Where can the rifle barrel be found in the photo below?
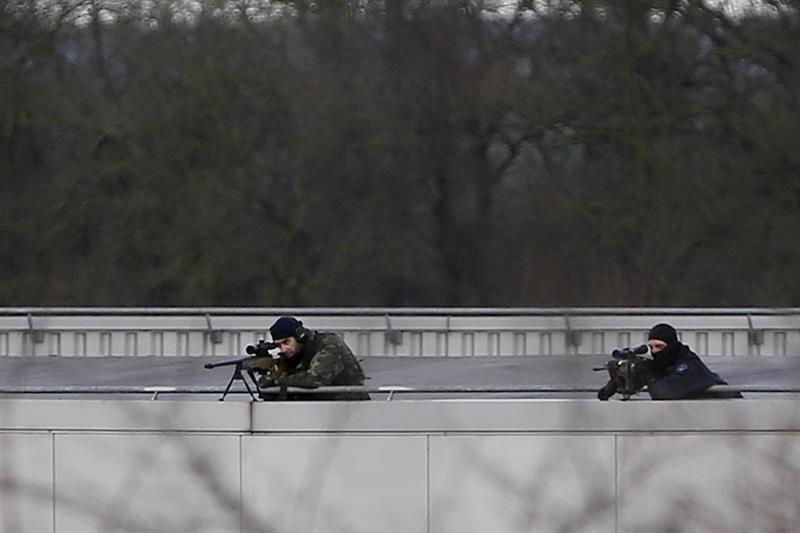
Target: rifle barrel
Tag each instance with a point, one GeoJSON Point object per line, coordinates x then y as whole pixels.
{"type": "Point", "coordinates": [228, 362]}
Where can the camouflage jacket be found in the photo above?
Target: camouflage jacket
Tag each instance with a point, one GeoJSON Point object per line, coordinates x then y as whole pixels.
{"type": "Point", "coordinates": [325, 360]}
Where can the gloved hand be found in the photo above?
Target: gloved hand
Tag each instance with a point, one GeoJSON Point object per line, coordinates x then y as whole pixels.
{"type": "Point", "coordinates": [608, 391]}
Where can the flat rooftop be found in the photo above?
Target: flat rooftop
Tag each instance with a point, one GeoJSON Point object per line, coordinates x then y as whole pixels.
{"type": "Point", "coordinates": [567, 376]}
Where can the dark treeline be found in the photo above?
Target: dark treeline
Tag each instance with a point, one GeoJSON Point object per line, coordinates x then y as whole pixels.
{"type": "Point", "coordinates": [382, 153]}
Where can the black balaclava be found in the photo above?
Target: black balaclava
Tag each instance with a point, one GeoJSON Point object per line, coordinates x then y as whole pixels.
{"type": "Point", "coordinates": [663, 332]}
{"type": "Point", "coordinates": [666, 333]}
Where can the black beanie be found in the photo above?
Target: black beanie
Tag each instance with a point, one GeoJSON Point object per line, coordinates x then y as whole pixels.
{"type": "Point", "coordinates": [663, 332]}
{"type": "Point", "coordinates": [285, 327]}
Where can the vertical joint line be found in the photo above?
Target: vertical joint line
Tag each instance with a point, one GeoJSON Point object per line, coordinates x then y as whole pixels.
{"type": "Point", "coordinates": [241, 495]}
{"type": "Point", "coordinates": [428, 483]}
{"type": "Point", "coordinates": [616, 484]}
{"type": "Point", "coordinates": [53, 473]}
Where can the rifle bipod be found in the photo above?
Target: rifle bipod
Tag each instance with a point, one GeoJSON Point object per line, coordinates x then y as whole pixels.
{"type": "Point", "coordinates": [238, 376]}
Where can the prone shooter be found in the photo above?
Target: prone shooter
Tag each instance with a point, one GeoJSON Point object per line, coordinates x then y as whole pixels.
{"type": "Point", "coordinates": [306, 359]}
{"type": "Point", "coordinates": [672, 372]}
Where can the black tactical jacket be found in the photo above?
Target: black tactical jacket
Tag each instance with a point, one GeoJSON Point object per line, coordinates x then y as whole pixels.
{"type": "Point", "coordinates": [677, 372]}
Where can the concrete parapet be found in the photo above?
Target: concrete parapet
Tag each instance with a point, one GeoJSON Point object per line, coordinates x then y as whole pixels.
{"type": "Point", "coordinates": [422, 466]}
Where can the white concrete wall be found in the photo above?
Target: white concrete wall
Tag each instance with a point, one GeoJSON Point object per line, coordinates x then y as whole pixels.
{"type": "Point", "coordinates": [331, 483]}
{"type": "Point", "coordinates": [434, 466]}
{"type": "Point", "coordinates": [26, 482]}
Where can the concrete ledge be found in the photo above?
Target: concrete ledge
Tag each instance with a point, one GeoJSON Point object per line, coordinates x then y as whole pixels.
{"type": "Point", "coordinates": [401, 416]}
{"type": "Point", "coordinates": [124, 415]}
{"type": "Point", "coordinates": [528, 415]}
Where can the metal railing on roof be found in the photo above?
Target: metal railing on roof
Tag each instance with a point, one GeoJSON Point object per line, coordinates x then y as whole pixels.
{"type": "Point", "coordinates": [398, 311]}
{"type": "Point", "coordinates": [435, 331]}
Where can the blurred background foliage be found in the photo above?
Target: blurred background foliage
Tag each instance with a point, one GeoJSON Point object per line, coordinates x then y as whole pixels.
{"type": "Point", "coordinates": [399, 153]}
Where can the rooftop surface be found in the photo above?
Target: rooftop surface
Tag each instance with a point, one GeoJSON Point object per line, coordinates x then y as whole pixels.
{"type": "Point", "coordinates": [528, 376]}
